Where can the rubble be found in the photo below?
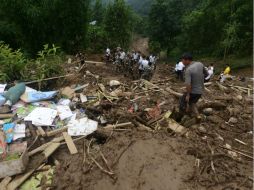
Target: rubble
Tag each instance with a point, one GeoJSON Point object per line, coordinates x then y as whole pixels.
{"type": "Point", "coordinates": [87, 113]}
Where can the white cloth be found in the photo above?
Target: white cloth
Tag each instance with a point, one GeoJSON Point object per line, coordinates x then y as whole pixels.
{"type": "Point", "coordinates": [210, 74]}
{"type": "Point", "coordinates": [179, 66]}
{"type": "Point", "coordinates": [144, 64]}
{"type": "Point", "coordinates": [176, 67]}
{"type": "Point", "coordinates": [152, 59]}
{"type": "Point", "coordinates": [122, 55]}
{"type": "Point", "coordinates": [135, 56]}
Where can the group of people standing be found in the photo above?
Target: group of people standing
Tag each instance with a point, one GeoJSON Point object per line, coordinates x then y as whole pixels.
{"type": "Point", "coordinates": [132, 62]}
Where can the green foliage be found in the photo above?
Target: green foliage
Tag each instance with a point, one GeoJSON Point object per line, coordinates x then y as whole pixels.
{"type": "Point", "coordinates": [96, 39]}
{"type": "Point", "coordinates": [98, 12]}
{"type": "Point", "coordinates": [11, 63]}
{"type": "Point", "coordinates": [209, 27]}
{"type": "Point", "coordinates": [14, 65]}
{"type": "Point", "coordinates": [141, 7]}
{"type": "Point", "coordinates": [29, 24]}
{"type": "Point", "coordinates": [117, 24]}
{"type": "Point", "coordinates": [47, 64]}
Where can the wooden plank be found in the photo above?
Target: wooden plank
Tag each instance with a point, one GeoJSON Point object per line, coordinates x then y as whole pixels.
{"type": "Point", "coordinates": [57, 131]}
{"type": "Point", "coordinates": [19, 180]}
{"type": "Point", "coordinates": [51, 149]}
{"type": "Point", "coordinates": [70, 144]}
{"type": "Point", "coordinates": [44, 146]}
{"type": "Point", "coordinates": [4, 183]}
{"type": "Point", "coordinates": [6, 116]}
{"type": "Point", "coordinates": [41, 131]}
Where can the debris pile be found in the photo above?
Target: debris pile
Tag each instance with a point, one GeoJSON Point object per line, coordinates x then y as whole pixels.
{"type": "Point", "coordinates": [38, 124]}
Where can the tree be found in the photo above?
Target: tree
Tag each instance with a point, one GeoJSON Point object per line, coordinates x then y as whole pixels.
{"type": "Point", "coordinates": [62, 22]}
{"type": "Point", "coordinates": [98, 12]}
{"type": "Point", "coordinates": [117, 24]}
{"type": "Point", "coordinates": [208, 27]}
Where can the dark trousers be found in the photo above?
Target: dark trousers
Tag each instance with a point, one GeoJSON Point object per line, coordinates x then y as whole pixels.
{"type": "Point", "coordinates": [179, 74]}
{"type": "Point", "coordinates": [193, 100]}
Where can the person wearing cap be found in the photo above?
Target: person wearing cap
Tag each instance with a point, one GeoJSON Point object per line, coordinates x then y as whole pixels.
{"type": "Point", "coordinates": [195, 73]}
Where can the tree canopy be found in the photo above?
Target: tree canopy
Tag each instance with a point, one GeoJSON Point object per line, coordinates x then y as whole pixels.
{"type": "Point", "coordinates": [209, 27]}
{"type": "Point", "coordinates": [29, 24]}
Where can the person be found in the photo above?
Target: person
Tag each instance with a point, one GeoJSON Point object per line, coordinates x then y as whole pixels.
{"type": "Point", "coordinates": [108, 51]}
{"type": "Point", "coordinates": [122, 55]}
{"type": "Point", "coordinates": [194, 80]}
{"type": "Point", "coordinates": [227, 70]}
{"type": "Point", "coordinates": [81, 58]}
{"type": "Point", "coordinates": [107, 55]}
{"type": "Point", "coordinates": [152, 59]}
{"type": "Point", "coordinates": [134, 55]}
{"type": "Point", "coordinates": [225, 74]}
{"type": "Point", "coordinates": [143, 63]}
{"type": "Point", "coordinates": [180, 70]}
{"type": "Point", "coordinates": [210, 73]}
{"type": "Point", "coordinates": [212, 67]}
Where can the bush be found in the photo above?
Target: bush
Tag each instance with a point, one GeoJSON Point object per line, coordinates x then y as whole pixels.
{"type": "Point", "coordinates": [11, 63]}
{"type": "Point", "coordinates": [14, 65]}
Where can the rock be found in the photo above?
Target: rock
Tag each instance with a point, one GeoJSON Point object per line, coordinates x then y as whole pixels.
{"type": "Point", "coordinates": [239, 97]}
{"type": "Point", "coordinates": [202, 129]}
{"type": "Point", "coordinates": [208, 111]}
{"type": "Point", "coordinates": [214, 119]}
{"type": "Point", "coordinates": [232, 120]}
{"type": "Point", "coordinates": [114, 83]}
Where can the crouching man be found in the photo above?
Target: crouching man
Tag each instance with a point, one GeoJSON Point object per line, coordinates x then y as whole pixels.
{"type": "Point", "coordinates": [194, 80]}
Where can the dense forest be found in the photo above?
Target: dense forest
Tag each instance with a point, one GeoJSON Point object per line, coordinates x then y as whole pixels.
{"type": "Point", "coordinates": [35, 35]}
{"type": "Point", "coordinates": [207, 27]}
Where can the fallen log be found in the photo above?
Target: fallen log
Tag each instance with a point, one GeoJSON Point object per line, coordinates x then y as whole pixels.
{"type": "Point", "coordinates": [215, 105]}
{"type": "Point", "coordinates": [224, 98]}
{"type": "Point", "coordinates": [221, 87]}
{"type": "Point", "coordinates": [177, 94]}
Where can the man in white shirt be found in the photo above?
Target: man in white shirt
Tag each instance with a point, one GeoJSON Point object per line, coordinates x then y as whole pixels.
{"type": "Point", "coordinates": [152, 59]}
{"type": "Point", "coordinates": [135, 56]}
{"type": "Point", "coordinates": [108, 51]}
{"type": "Point", "coordinates": [210, 74]}
{"type": "Point", "coordinates": [180, 70]}
{"type": "Point", "coordinates": [122, 55]}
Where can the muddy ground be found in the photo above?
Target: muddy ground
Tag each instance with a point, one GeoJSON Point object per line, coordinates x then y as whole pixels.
{"type": "Point", "coordinates": [161, 159]}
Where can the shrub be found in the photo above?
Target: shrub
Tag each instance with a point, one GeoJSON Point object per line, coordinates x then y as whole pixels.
{"type": "Point", "coordinates": [11, 63]}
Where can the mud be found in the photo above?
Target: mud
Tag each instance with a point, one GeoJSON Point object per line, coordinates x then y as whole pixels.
{"type": "Point", "coordinates": [161, 159]}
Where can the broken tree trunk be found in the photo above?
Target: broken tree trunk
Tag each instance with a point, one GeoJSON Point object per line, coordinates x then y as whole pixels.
{"type": "Point", "coordinates": [177, 94]}
{"type": "Point", "coordinates": [215, 105]}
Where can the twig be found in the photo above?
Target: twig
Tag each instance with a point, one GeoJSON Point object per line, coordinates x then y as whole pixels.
{"type": "Point", "coordinates": [84, 151]}
{"type": "Point", "coordinates": [100, 167]}
{"type": "Point", "coordinates": [116, 161]}
{"type": "Point", "coordinates": [106, 162]}
{"type": "Point", "coordinates": [238, 152]}
{"type": "Point", "coordinates": [51, 78]}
